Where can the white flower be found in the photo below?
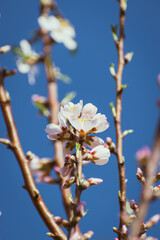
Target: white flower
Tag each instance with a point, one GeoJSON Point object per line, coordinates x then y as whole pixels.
{"type": "Point", "coordinates": [26, 60]}
{"type": "Point", "coordinates": [60, 30]}
{"type": "Point", "coordinates": [72, 110]}
{"type": "Point", "coordinates": [85, 120]}
{"type": "Point", "coordinates": [100, 155]}
{"type": "Point", "coordinates": [55, 131]}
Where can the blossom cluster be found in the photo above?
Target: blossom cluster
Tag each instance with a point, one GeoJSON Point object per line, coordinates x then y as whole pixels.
{"type": "Point", "coordinates": [78, 123]}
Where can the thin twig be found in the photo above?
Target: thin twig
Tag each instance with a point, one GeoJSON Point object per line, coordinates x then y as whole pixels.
{"type": "Point", "coordinates": [120, 158]}
{"type": "Point", "coordinates": [147, 193]}
{"type": "Point", "coordinates": [30, 186]}
{"type": "Point", "coordinates": [54, 108]}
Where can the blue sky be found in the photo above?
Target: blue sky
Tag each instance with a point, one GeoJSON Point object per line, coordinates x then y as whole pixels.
{"type": "Point", "coordinates": [89, 70]}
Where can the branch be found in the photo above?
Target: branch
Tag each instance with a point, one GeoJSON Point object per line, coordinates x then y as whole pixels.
{"type": "Point", "coordinates": [54, 108]}
{"type": "Point", "coordinates": [120, 158]}
{"type": "Point", "coordinates": [30, 186]}
{"type": "Point", "coordinates": [147, 193]}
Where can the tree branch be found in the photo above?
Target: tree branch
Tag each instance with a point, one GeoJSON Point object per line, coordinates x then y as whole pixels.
{"type": "Point", "coordinates": [147, 193]}
{"type": "Point", "coordinates": [120, 158]}
{"type": "Point", "coordinates": [30, 186]}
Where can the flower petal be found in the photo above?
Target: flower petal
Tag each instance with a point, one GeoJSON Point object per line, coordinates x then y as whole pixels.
{"type": "Point", "coordinates": [89, 109]}
{"type": "Point", "coordinates": [53, 129]}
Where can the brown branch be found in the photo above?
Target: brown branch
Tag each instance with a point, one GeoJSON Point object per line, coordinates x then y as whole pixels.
{"type": "Point", "coordinates": [30, 186]}
{"type": "Point", "coordinates": [54, 108]}
{"type": "Point", "coordinates": [120, 159]}
{"type": "Point", "coordinates": [147, 193]}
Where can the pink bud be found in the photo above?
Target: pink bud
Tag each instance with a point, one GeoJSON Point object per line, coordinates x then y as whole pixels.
{"type": "Point", "coordinates": [88, 235]}
{"type": "Point", "coordinates": [133, 204]}
{"type": "Point", "coordinates": [143, 154]}
{"type": "Point", "coordinates": [80, 209]}
{"type": "Point", "coordinates": [109, 141]}
{"type": "Point", "coordinates": [94, 181]}
{"type": "Point", "coordinates": [139, 172]}
{"type": "Point", "coordinates": [58, 219]}
{"type": "Point", "coordinates": [124, 229]}
{"type": "Point", "coordinates": [155, 219]}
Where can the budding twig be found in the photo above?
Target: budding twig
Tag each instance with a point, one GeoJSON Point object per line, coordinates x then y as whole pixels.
{"type": "Point", "coordinates": [147, 193]}
{"type": "Point", "coordinates": [54, 105]}
{"type": "Point", "coordinates": [24, 165]}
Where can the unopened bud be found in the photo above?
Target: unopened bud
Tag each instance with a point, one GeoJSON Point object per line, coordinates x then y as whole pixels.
{"type": "Point", "coordinates": [157, 177]}
{"type": "Point", "coordinates": [133, 205]}
{"type": "Point", "coordinates": [58, 219]}
{"type": "Point", "coordinates": [140, 176]}
{"type": "Point", "coordinates": [80, 209]}
{"type": "Point", "coordinates": [153, 221]}
{"type": "Point", "coordinates": [124, 230]}
{"type": "Point", "coordinates": [108, 141]}
{"type": "Point", "coordinates": [85, 185]}
{"type": "Point", "coordinates": [143, 155]}
{"type": "Point", "coordinates": [88, 235]}
{"type": "Point", "coordinates": [128, 57]}
{"type": "Point", "coordinates": [94, 181]}
{"type": "Point", "coordinates": [30, 155]}
{"type": "Point", "coordinates": [49, 234]}
{"type": "Point", "coordinates": [68, 182]}
{"type": "Point", "coordinates": [5, 49]}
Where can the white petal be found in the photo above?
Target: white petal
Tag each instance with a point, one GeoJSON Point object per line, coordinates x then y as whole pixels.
{"type": "Point", "coordinates": [23, 67]}
{"type": "Point", "coordinates": [57, 36]}
{"type": "Point", "coordinates": [62, 120]}
{"type": "Point", "coordinates": [53, 129]}
{"type": "Point", "coordinates": [66, 111]}
{"type": "Point", "coordinates": [52, 137]}
{"type": "Point", "coordinates": [69, 43]}
{"type": "Point", "coordinates": [49, 23]}
{"type": "Point", "coordinates": [69, 31]}
{"type": "Point", "coordinates": [76, 123]}
{"type": "Point", "coordinates": [25, 47]}
{"type": "Point", "coordinates": [31, 75]}
{"type": "Point", "coordinates": [96, 142]}
{"type": "Point", "coordinates": [89, 109]}
{"type": "Point", "coordinates": [87, 126]}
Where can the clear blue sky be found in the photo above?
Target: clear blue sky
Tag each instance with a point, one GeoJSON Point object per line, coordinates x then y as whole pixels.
{"type": "Point", "coordinates": [89, 70]}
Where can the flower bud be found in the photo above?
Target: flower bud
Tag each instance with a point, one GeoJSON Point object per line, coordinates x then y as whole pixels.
{"type": "Point", "coordinates": [133, 205]}
{"type": "Point", "coordinates": [94, 181]}
{"type": "Point", "coordinates": [108, 141]}
{"type": "Point", "coordinates": [143, 155]}
{"type": "Point", "coordinates": [5, 49]}
{"type": "Point", "coordinates": [68, 183]}
{"type": "Point", "coordinates": [80, 209]}
{"type": "Point", "coordinates": [140, 176]}
{"type": "Point", "coordinates": [88, 235]}
{"type": "Point", "coordinates": [153, 221]}
{"type": "Point", "coordinates": [124, 230]}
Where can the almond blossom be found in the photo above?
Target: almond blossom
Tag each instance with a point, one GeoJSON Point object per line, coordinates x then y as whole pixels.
{"type": "Point", "coordinates": [98, 155]}
{"type": "Point", "coordinates": [77, 123]}
{"type": "Point", "coordinates": [56, 132]}
{"type": "Point", "coordinates": [85, 120]}
{"type": "Point", "coordinates": [41, 168]}
{"type": "Point", "coordinates": [60, 30]}
{"type": "Point", "coordinates": [26, 60]}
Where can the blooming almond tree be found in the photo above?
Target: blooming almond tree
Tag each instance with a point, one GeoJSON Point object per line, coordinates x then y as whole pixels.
{"type": "Point", "coordinates": [71, 129]}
